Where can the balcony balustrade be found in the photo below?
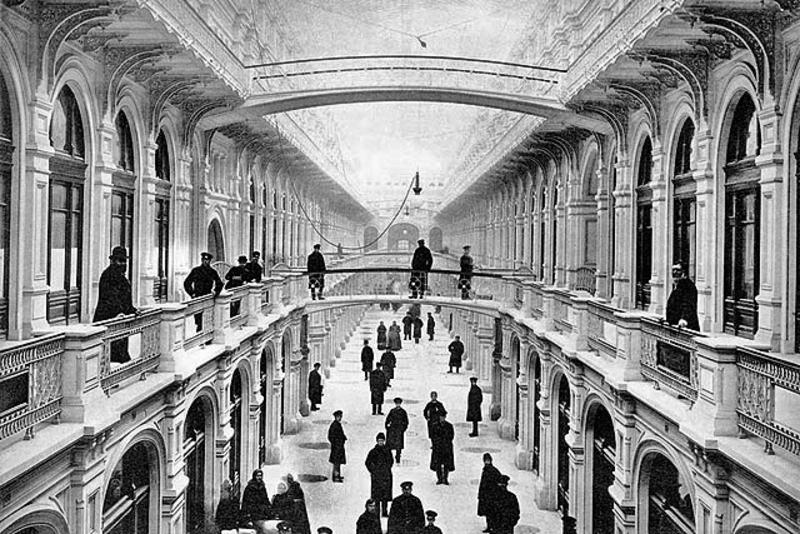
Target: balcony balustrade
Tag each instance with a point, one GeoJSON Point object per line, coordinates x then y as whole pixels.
{"type": "Point", "coordinates": [131, 337]}
{"type": "Point", "coordinates": [669, 357]}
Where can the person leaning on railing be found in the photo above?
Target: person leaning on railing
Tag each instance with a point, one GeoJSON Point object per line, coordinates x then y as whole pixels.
{"type": "Point", "coordinates": [682, 302]}
{"type": "Point", "coordinates": [203, 279]}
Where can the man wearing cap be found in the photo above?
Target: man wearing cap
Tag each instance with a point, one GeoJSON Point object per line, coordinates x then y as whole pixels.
{"type": "Point", "coordinates": [316, 273]}
{"type": "Point", "coordinates": [367, 357]}
{"type": "Point", "coordinates": [506, 508]}
{"type": "Point", "coordinates": [465, 278]}
{"type": "Point", "coordinates": [407, 515]}
{"type": "Point", "coordinates": [377, 385]}
{"type": "Point", "coordinates": [379, 464]}
{"type": "Point", "coordinates": [114, 299]}
{"type": "Point", "coordinates": [407, 321]}
{"type": "Point", "coordinates": [337, 438]}
{"type": "Point", "coordinates": [369, 522]}
{"type": "Point", "coordinates": [442, 458]}
{"type": "Point", "coordinates": [284, 526]}
{"type": "Point", "coordinates": [487, 491]}
{"type": "Point", "coordinates": [254, 267]}
{"type": "Point", "coordinates": [396, 425]}
{"type": "Point", "coordinates": [456, 350]}
{"type": "Point", "coordinates": [432, 411]}
{"type": "Point", "coordinates": [315, 387]}
{"type": "Point", "coordinates": [474, 401]}
{"type": "Point", "coordinates": [417, 324]}
{"type": "Point", "coordinates": [430, 528]}
{"type": "Point", "coordinates": [203, 279]}
{"type": "Point", "coordinates": [421, 264]}
{"type": "Point", "coordinates": [430, 327]}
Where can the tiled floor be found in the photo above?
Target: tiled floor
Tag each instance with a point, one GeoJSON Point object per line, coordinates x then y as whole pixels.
{"type": "Point", "coordinates": [421, 368]}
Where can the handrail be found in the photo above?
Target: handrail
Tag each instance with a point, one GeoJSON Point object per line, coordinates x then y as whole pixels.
{"type": "Point", "coordinates": [121, 330]}
{"type": "Point", "coordinates": [669, 356]}
{"type": "Point", "coordinates": [474, 274]}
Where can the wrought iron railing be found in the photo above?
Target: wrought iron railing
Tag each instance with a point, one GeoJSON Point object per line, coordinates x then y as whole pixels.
{"type": "Point", "coordinates": [769, 392]}
{"type": "Point", "coordinates": [669, 357]}
{"type": "Point", "coordinates": [30, 384]}
{"type": "Point", "coordinates": [132, 340]}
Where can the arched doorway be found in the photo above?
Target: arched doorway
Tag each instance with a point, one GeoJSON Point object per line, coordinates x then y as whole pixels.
{"type": "Point", "coordinates": [665, 502]}
{"type": "Point", "coordinates": [131, 503]}
{"type": "Point", "coordinates": [563, 448]}
{"type": "Point", "coordinates": [370, 238]}
{"type": "Point", "coordinates": [601, 448]}
{"type": "Point", "coordinates": [216, 242]}
{"type": "Point", "coordinates": [237, 415]}
{"type": "Point", "coordinates": [6, 166]}
{"type": "Point", "coordinates": [198, 452]}
{"type": "Point", "coordinates": [265, 373]}
{"type": "Point", "coordinates": [403, 236]}
{"type": "Point", "coordinates": [435, 239]}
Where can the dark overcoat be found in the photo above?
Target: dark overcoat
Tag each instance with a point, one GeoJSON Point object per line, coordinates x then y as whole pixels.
{"type": "Point", "coordinates": [202, 280]}
{"type": "Point", "coordinates": [431, 326]}
{"type": "Point", "coordinates": [337, 438]}
{"type": "Point", "coordinates": [377, 385]}
{"type": "Point", "coordinates": [394, 338]}
{"type": "Point", "coordinates": [423, 259]}
{"type": "Point", "coordinates": [227, 516]}
{"type": "Point", "coordinates": [442, 435]}
{"type": "Point", "coordinates": [367, 357]}
{"type": "Point", "coordinates": [417, 327]}
{"type": "Point", "coordinates": [114, 294]}
{"type": "Point", "coordinates": [474, 400]}
{"type": "Point", "coordinates": [255, 502]}
{"type": "Point", "coordinates": [237, 276]}
{"type": "Point", "coordinates": [389, 362]}
{"type": "Point", "coordinates": [506, 511]}
{"type": "Point", "coordinates": [456, 348]}
{"type": "Point", "coordinates": [466, 271]}
{"type": "Point", "coordinates": [396, 425]}
{"type": "Point", "coordinates": [406, 515]}
{"type": "Point", "coordinates": [488, 490]}
{"type": "Point", "coordinates": [433, 408]}
{"type": "Point", "coordinates": [381, 337]}
{"type": "Point", "coordinates": [682, 304]}
{"type": "Point", "coordinates": [369, 523]}
{"type": "Point", "coordinates": [315, 265]}
{"type": "Point", "coordinates": [315, 387]}
{"type": "Point", "coordinates": [407, 322]}
{"type": "Point", "coordinates": [379, 464]}
{"type": "Point", "coordinates": [255, 271]}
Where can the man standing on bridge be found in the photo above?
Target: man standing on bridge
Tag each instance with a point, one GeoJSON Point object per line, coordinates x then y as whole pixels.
{"type": "Point", "coordinates": [465, 278]}
{"type": "Point", "coordinates": [421, 264]}
{"type": "Point", "coordinates": [316, 272]}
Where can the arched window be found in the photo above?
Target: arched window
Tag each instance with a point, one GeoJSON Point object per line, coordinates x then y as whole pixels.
{"type": "Point", "coordinates": [563, 446]}
{"type": "Point", "coordinates": [252, 214]}
{"type": "Point", "coordinates": [6, 166]}
{"type": "Point", "coordinates": [162, 216]}
{"type": "Point", "coordinates": [542, 229]}
{"type": "Point", "coordinates": [554, 234]}
{"type": "Point", "coordinates": [684, 202]}
{"type": "Point", "coordinates": [126, 508]}
{"type": "Point", "coordinates": [644, 226]}
{"type": "Point", "coordinates": [742, 214]}
{"type": "Point", "coordinates": [65, 230]}
{"type": "Point", "coordinates": [195, 456]}
{"type": "Point", "coordinates": [612, 219]}
{"type": "Point", "coordinates": [124, 181]}
{"type": "Point", "coordinates": [669, 506]}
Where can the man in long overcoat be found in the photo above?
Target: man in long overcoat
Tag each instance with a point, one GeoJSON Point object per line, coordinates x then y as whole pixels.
{"type": "Point", "coordinates": [388, 363]}
{"type": "Point", "coordinates": [682, 302]}
{"type": "Point", "coordinates": [421, 264]}
{"type": "Point", "coordinates": [407, 515]}
{"type": "Point", "coordinates": [367, 357]}
{"type": "Point", "coordinates": [381, 336]}
{"type": "Point", "coordinates": [442, 459]}
{"type": "Point", "coordinates": [203, 279]}
{"type": "Point", "coordinates": [396, 425]}
{"type": "Point", "coordinates": [337, 438]}
{"type": "Point", "coordinates": [456, 349]}
{"type": "Point", "coordinates": [474, 401]}
{"type": "Point", "coordinates": [377, 385]}
{"type": "Point", "coordinates": [430, 327]}
{"type": "Point", "coordinates": [506, 508]}
{"type": "Point", "coordinates": [315, 387]}
{"type": "Point", "coordinates": [379, 464]}
{"type": "Point", "coordinates": [487, 491]}
{"type": "Point", "coordinates": [115, 299]}
{"type": "Point", "coordinates": [432, 410]}
{"type": "Point", "coordinates": [408, 321]}
{"type": "Point", "coordinates": [256, 508]}
{"type": "Point", "coordinates": [417, 329]}
{"type": "Point", "coordinates": [316, 273]}
{"type": "Point", "coordinates": [465, 277]}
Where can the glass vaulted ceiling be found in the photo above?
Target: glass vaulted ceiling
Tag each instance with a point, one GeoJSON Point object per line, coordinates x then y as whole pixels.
{"type": "Point", "coordinates": [382, 144]}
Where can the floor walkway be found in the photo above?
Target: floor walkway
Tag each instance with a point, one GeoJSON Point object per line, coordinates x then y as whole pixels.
{"type": "Point", "coordinates": [421, 368]}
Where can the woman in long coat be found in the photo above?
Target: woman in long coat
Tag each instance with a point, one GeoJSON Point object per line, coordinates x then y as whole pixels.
{"type": "Point", "coordinates": [379, 464]}
{"type": "Point", "coordinates": [394, 337]}
{"type": "Point", "coordinates": [381, 336]}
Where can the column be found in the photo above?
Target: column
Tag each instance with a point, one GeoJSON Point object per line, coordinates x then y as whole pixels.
{"type": "Point", "coordinates": [145, 223]}
{"type": "Point", "coordinates": [602, 275]}
{"type": "Point", "coordinates": [660, 256]}
{"type": "Point", "coordinates": [547, 483]}
{"type": "Point", "coordinates": [706, 225]}
{"type": "Point", "coordinates": [623, 231]}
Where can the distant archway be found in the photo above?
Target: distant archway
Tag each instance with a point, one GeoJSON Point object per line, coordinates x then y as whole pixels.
{"type": "Point", "coordinates": [600, 458]}
{"type": "Point", "coordinates": [664, 497]}
{"type": "Point", "coordinates": [216, 241]}
{"type": "Point", "coordinates": [403, 236]}
{"type": "Point", "coordinates": [370, 238]}
{"type": "Point", "coordinates": [435, 239]}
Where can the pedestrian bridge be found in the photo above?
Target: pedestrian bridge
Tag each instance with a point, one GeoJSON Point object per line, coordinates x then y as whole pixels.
{"type": "Point", "coordinates": [483, 306]}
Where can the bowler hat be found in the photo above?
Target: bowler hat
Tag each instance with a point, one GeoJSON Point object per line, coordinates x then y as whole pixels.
{"type": "Point", "coordinates": [119, 253]}
{"type": "Point", "coordinates": [242, 259]}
